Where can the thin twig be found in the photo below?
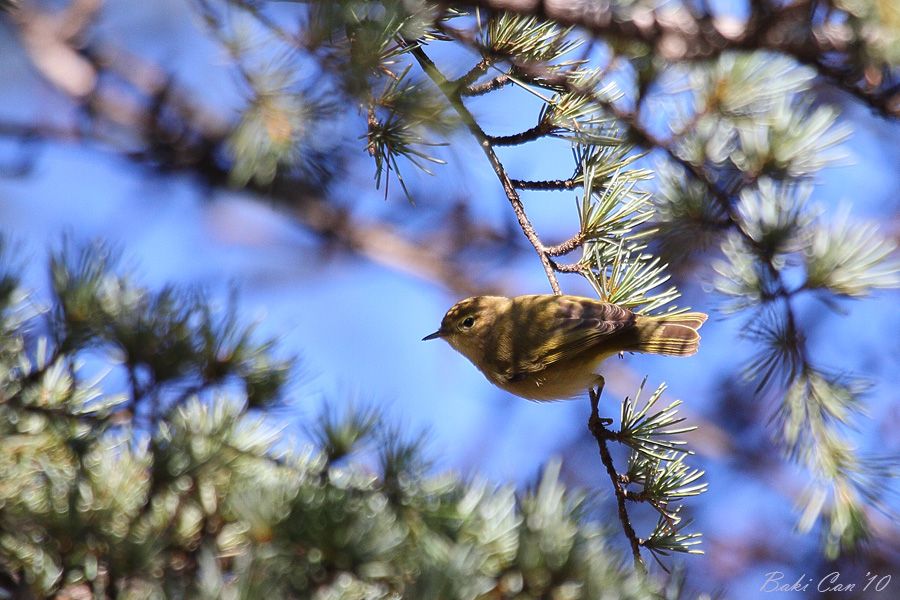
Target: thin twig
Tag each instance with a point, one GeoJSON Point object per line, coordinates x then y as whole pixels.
{"type": "Point", "coordinates": [550, 185]}
{"type": "Point", "coordinates": [491, 85]}
{"type": "Point", "coordinates": [602, 435]}
{"type": "Point", "coordinates": [474, 73]}
{"type": "Point", "coordinates": [453, 95]}
{"type": "Point", "coordinates": [529, 135]}
{"type": "Point", "coordinates": [567, 246]}
{"type": "Point", "coordinates": [567, 267]}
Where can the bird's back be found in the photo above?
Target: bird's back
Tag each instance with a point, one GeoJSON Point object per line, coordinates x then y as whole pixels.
{"type": "Point", "coordinates": [545, 347]}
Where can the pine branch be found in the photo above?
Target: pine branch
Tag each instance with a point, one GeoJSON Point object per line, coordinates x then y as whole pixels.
{"type": "Point", "coordinates": [453, 96]}
{"type": "Point", "coordinates": [602, 435]}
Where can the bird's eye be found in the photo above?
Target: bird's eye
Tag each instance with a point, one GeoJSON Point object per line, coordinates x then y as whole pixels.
{"type": "Point", "coordinates": [468, 322]}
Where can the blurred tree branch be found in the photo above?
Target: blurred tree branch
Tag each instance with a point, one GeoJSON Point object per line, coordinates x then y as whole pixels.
{"type": "Point", "coordinates": [815, 34]}
{"type": "Point", "coordinates": [141, 128]}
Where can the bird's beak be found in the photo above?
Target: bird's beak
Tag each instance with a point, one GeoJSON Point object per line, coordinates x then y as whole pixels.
{"type": "Point", "coordinates": [433, 336]}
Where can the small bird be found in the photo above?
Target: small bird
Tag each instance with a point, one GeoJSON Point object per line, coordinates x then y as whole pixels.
{"type": "Point", "coordinates": [548, 347]}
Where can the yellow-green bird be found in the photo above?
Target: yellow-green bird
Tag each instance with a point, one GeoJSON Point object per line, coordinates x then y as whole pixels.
{"type": "Point", "coordinates": [548, 347]}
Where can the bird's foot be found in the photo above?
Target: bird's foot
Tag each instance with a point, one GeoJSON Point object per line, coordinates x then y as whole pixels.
{"type": "Point", "coordinates": [597, 424]}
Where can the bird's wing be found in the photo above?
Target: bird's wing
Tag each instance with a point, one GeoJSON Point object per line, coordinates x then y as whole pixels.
{"type": "Point", "coordinates": [577, 325]}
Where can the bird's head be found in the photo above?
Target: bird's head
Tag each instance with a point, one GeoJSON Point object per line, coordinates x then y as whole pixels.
{"type": "Point", "coordinates": [466, 325]}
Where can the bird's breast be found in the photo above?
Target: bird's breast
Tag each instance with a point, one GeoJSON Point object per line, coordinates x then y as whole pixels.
{"type": "Point", "coordinates": [557, 382]}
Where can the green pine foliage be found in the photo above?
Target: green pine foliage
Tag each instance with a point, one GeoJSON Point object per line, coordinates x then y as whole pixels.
{"type": "Point", "coordinates": [137, 461]}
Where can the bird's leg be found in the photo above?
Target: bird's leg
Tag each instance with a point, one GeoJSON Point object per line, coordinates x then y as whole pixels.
{"type": "Point", "coordinates": [596, 421]}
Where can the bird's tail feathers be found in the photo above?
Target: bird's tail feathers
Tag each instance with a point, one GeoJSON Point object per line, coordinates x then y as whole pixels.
{"type": "Point", "coordinates": [671, 335]}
